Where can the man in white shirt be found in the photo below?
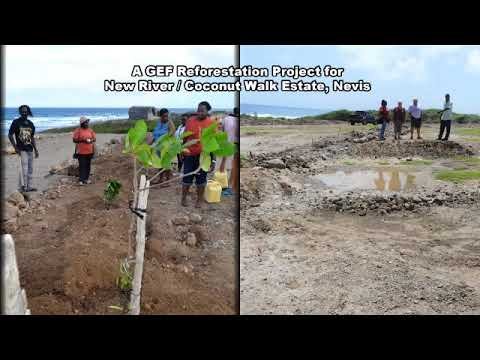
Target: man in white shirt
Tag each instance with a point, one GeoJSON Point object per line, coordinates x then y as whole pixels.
{"type": "Point", "coordinates": [415, 119]}
{"type": "Point", "coordinates": [446, 118]}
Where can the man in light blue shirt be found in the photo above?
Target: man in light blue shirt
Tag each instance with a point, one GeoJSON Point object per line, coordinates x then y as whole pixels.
{"type": "Point", "coordinates": [446, 118]}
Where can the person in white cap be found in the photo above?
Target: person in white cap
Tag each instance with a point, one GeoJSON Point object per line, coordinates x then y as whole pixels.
{"type": "Point", "coordinates": [84, 139]}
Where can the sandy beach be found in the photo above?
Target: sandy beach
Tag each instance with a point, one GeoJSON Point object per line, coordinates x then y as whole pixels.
{"type": "Point", "coordinates": [53, 150]}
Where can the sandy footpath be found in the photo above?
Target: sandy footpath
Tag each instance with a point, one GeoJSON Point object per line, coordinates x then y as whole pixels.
{"type": "Point", "coordinates": [53, 150]}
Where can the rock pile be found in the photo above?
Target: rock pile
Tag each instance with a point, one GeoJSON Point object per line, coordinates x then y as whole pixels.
{"type": "Point", "coordinates": [361, 203]}
{"type": "Point", "coordinates": [426, 149]}
{"type": "Point", "coordinates": [357, 144]}
{"type": "Point", "coordinates": [188, 229]}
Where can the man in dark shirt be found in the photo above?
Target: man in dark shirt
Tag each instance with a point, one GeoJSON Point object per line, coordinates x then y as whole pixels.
{"type": "Point", "coordinates": [22, 137]}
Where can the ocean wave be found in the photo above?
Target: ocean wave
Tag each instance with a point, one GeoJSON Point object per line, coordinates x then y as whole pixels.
{"type": "Point", "coordinates": [46, 122]}
{"type": "Point", "coordinates": [274, 115]}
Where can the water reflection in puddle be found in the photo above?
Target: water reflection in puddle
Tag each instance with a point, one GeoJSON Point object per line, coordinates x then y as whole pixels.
{"type": "Point", "coordinates": [383, 180]}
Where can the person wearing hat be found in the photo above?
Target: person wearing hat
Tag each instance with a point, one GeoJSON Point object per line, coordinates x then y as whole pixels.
{"type": "Point", "coordinates": [84, 139]}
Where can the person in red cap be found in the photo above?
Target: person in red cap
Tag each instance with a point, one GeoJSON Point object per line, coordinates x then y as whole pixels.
{"type": "Point", "coordinates": [84, 139]}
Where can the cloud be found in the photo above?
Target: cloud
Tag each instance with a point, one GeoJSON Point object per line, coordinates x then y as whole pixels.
{"type": "Point", "coordinates": [65, 67]}
{"type": "Point", "coordinates": [473, 61]}
{"type": "Point", "coordinates": [392, 62]}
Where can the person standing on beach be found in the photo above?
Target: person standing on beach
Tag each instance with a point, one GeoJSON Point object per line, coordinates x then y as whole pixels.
{"type": "Point", "coordinates": [230, 125]}
{"type": "Point", "coordinates": [415, 119]}
{"type": "Point", "coordinates": [164, 126]}
{"type": "Point", "coordinates": [398, 120]}
{"type": "Point", "coordinates": [84, 139]}
{"type": "Point", "coordinates": [191, 162]}
{"type": "Point", "coordinates": [178, 133]}
{"type": "Point", "coordinates": [22, 137]}
{"type": "Point", "coordinates": [446, 118]}
{"type": "Point", "coordinates": [383, 119]}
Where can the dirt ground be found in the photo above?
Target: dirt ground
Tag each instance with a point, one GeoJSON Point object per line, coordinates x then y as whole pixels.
{"type": "Point", "coordinates": [69, 250]}
{"type": "Point", "coordinates": [298, 259]}
{"type": "Point", "coordinates": [53, 149]}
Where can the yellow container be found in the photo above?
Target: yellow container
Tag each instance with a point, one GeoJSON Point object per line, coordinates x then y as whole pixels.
{"type": "Point", "coordinates": [213, 191]}
{"type": "Point", "coordinates": [221, 178]}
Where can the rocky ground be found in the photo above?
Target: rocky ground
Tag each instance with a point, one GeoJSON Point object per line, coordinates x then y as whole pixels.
{"type": "Point", "coordinates": [69, 246]}
{"type": "Point", "coordinates": [54, 149]}
{"type": "Point", "coordinates": [310, 248]}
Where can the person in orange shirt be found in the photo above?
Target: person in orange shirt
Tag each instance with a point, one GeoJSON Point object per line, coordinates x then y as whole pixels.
{"type": "Point", "coordinates": [191, 161]}
{"type": "Point", "coordinates": [84, 139]}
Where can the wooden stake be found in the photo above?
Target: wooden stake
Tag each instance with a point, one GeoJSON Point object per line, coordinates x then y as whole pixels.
{"type": "Point", "coordinates": [140, 249]}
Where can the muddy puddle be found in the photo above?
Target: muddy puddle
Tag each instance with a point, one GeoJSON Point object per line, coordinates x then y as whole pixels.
{"type": "Point", "coordinates": [373, 179]}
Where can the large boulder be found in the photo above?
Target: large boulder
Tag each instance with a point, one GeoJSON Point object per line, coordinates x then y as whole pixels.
{"type": "Point", "coordinates": [17, 199]}
{"type": "Point", "coordinates": [141, 112]}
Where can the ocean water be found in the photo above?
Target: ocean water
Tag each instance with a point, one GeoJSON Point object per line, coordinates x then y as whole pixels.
{"type": "Point", "coordinates": [48, 118]}
{"type": "Point", "coordinates": [279, 111]}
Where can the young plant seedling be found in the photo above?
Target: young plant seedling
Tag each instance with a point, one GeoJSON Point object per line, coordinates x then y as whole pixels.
{"type": "Point", "coordinates": [124, 281]}
{"type": "Point", "coordinates": [111, 192]}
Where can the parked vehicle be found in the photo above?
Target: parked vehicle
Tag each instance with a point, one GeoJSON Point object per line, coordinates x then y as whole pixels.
{"type": "Point", "coordinates": [362, 117]}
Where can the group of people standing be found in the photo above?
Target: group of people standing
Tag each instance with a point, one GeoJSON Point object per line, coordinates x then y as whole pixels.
{"type": "Point", "coordinates": [398, 116]}
{"type": "Point", "coordinates": [22, 137]}
{"type": "Point", "coordinates": [189, 161]}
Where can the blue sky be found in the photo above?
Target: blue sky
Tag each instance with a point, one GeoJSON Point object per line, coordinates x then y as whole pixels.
{"type": "Point", "coordinates": [73, 75]}
{"type": "Point", "coordinates": [396, 73]}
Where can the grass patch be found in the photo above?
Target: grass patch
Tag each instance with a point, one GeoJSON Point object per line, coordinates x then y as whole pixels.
{"type": "Point", "coordinates": [348, 162]}
{"type": "Point", "coordinates": [458, 175]}
{"type": "Point", "coordinates": [469, 131]}
{"type": "Point", "coordinates": [383, 163]}
{"type": "Point", "coordinates": [417, 162]}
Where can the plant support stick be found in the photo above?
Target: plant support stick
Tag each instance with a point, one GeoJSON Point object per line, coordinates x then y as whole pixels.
{"type": "Point", "coordinates": [140, 249]}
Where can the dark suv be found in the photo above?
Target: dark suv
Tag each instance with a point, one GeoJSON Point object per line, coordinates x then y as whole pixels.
{"type": "Point", "coordinates": [362, 117]}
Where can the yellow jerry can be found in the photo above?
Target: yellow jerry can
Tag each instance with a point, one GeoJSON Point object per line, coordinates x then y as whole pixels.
{"type": "Point", "coordinates": [221, 178]}
{"type": "Point", "coordinates": [213, 191]}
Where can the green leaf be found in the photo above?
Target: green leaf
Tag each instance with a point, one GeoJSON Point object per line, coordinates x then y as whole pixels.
{"type": "Point", "coordinates": [228, 149]}
{"type": "Point", "coordinates": [205, 161]}
{"type": "Point", "coordinates": [156, 161]}
{"type": "Point", "coordinates": [137, 134]}
{"type": "Point", "coordinates": [209, 131]}
{"type": "Point", "coordinates": [210, 145]}
{"type": "Point", "coordinates": [161, 141]}
{"type": "Point", "coordinates": [170, 152]}
{"type": "Point", "coordinates": [144, 154]}
{"type": "Point", "coordinates": [225, 147]}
